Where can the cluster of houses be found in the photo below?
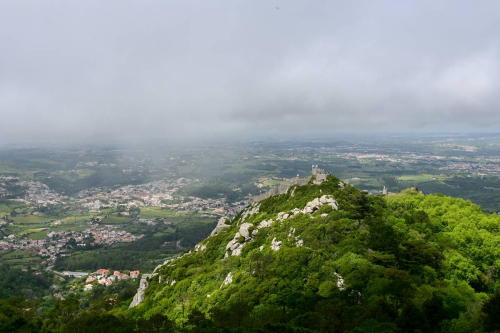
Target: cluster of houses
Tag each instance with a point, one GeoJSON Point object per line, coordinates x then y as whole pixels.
{"type": "Point", "coordinates": [149, 194]}
{"type": "Point", "coordinates": [39, 193]}
{"type": "Point", "coordinates": [156, 194]}
{"type": "Point", "coordinates": [58, 243]}
{"type": "Point", "coordinates": [105, 278]}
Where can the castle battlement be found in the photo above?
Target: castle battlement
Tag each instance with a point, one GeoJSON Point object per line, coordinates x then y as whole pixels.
{"type": "Point", "coordinates": [319, 177]}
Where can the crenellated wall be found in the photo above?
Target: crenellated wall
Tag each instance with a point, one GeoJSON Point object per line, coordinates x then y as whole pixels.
{"type": "Point", "coordinates": [320, 176]}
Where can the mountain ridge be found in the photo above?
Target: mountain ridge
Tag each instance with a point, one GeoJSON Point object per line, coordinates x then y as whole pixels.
{"type": "Point", "coordinates": [329, 257]}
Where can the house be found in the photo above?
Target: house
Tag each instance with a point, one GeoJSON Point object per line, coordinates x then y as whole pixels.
{"type": "Point", "coordinates": [118, 276]}
{"type": "Point", "coordinates": [134, 274]}
{"type": "Point", "coordinates": [88, 287]}
{"type": "Point", "coordinates": [102, 272]}
{"type": "Point", "coordinates": [90, 279]}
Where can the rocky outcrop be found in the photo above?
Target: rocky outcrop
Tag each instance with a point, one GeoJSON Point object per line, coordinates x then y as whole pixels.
{"type": "Point", "coordinates": [253, 209]}
{"type": "Point", "coordinates": [139, 296]}
{"type": "Point", "coordinates": [227, 280]}
{"type": "Point", "coordinates": [275, 245]}
{"type": "Point", "coordinates": [221, 225]}
{"type": "Point", "coordinates": [235, 245]}
{"type": "Point", "coordinates": [282, 216]}
{"type": "Point", "coordinates": [200, 247]}
{"type": "Point", "coordinates": [340, 281]}
{"type": "Point", "coordinates": [315, 204]}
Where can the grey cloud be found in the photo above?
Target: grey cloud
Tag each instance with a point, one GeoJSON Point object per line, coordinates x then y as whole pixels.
{"type": "Point", "coordinates": [94, 70]}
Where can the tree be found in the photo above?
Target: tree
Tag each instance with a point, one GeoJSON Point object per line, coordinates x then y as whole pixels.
{"type": "Point", "coordinates": [155, 323]}
{"type": "Point", "coordinates": [491, 311]}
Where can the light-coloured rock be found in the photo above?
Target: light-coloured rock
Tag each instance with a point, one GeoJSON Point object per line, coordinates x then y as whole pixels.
{"type": "Point", "coordinates": [228, 279]}
{"type": "Point", "coordinates": [244, 230]}
{"type": "Point", "coordinates": [307, 210]}
{"type": "Point", "coordinates": [253, 209]}
{"type": "Point", "coordinates": [221, 225]}
{"type": "Point", "coordinates": [265, 224]}
{"type": "Point", "coordinates": [232, 244]}
{"type": "Point", "coordinates": [314, 203]}
{"type": "Point", "coordinates": [275, 245]}
{"type": "Point", "coordinates": [139, 296]}
{"type": "Point", "coordinates": [324, 215]}
{"type": "Point", "coordinates": [340, 282]}
{"type": "Point", "coordinates": [173, 282]}
{"type": "Point", "coordinates": [261, 247]}
{"type": "Point", "coordinates": [200, 248]}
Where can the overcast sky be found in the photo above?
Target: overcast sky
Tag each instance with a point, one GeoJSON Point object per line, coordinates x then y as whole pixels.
{"type": "Point", "coordinates": [87, 70]}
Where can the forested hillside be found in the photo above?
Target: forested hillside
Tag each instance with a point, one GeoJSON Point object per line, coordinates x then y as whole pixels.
{"type": "Point", "coordinates": [324, 258]}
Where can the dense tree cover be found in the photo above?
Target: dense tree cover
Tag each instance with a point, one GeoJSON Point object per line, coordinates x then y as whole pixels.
{"type": "Point", "coordinates": [15, 282]}
{"type": "Point", "coordinates": [401, 263]}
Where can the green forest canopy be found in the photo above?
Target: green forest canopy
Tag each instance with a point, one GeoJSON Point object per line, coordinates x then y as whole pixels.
{"type": "Point", "coordinates": [398, 263]}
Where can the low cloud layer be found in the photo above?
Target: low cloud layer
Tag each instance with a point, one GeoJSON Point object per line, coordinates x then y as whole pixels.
{"type": "Point", "coordinates": [94, 70]}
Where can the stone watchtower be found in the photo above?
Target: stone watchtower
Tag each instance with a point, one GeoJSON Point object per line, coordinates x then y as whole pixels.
{"type": "Point", "coordinates": [319, 173]}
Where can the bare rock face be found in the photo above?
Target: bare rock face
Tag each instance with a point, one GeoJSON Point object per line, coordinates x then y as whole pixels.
{"type": "Point", "coordinates": [244, 230]}
{"type": "Point", "coordinates": [340, 281]}
{"type": "Point", "coordinates": [234, 243]}
{"type": "Point", "coordinates": [220, 226]}
{"type": "Point", "coordinates": [265, 224]}
{"type": "Point", "coordinates": [139, 296]}
{"type": "Point", "coordinates": [328, 200]}
{"type": "Point", "coordinates": [315, 204]}
{"type": "Point", "coordinates": [282, 216]}
{"type": "Point", "coordinates": [254, 209]}
{"type": "Point", "coordinates": [275, 245]}
{"type": "Point", "coordinates": [228, 280]}
{"type": "Point", "coordinates": [200, 247]}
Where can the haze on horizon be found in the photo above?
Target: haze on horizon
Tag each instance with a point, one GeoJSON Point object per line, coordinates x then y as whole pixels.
{"type": "Point", "coordinates": [93, 70]}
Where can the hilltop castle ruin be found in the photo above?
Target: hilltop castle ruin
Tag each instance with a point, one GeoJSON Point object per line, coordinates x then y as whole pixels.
{"type": "Point", "coordinates": [319, 177]}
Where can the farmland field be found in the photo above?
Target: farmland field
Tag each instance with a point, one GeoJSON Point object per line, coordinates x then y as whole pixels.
{"type": "Point", "coordinates": [115, 219]}
{"type": "Point", "coordinates": [30, 219]}
{"type": "Point", "coordinates": [157, 212]}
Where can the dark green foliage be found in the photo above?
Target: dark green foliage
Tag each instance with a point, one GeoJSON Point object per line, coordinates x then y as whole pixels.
{"type": "Point", "coordinates": [14, 282]}
{"type": "Point", "coordinates": [398, 263]}
{"type": "Point", "coordinates": [491, 311]}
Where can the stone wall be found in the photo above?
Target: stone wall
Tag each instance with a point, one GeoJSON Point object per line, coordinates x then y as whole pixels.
{"type": "Point", "coordinates": [320, 177]}
{"type": "Point", "coordinates": [281, 189]}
